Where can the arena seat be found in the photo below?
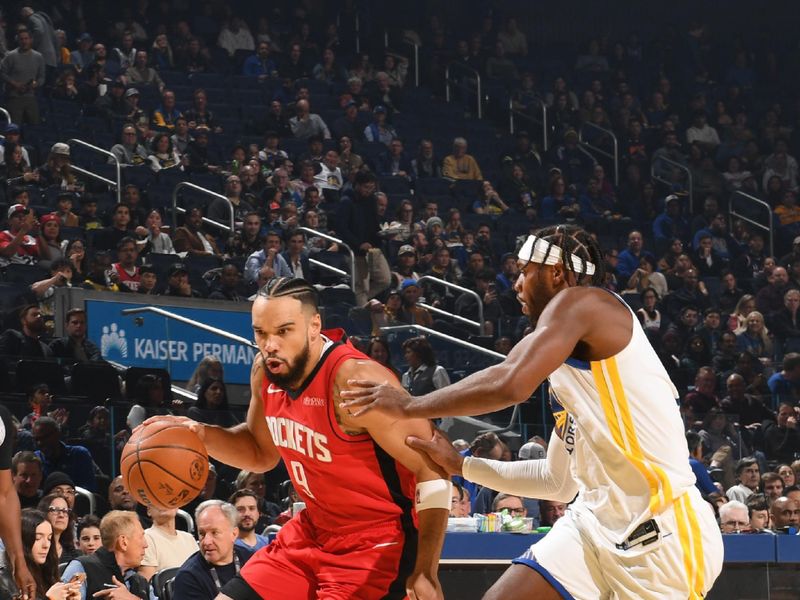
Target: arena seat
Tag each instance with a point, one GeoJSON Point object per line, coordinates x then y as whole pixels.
{"type": "Point", "coordinates": [98, 381]}
{"type": "Point", "coordinates": [31, 371]}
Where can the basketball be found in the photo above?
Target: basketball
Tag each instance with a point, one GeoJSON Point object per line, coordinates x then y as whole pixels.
{"type": "Point", "coordinates": [164, 465]}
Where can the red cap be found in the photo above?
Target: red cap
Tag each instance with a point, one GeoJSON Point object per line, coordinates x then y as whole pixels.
{"type": "Point", "coordinates": [274, 206]}
{"type": "Point", "coordinates": [50, 217]}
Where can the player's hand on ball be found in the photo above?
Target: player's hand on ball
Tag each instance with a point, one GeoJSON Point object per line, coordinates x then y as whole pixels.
{"type": "Point", "coordinates": [440, 451]}
{"type": "Point", "coordinates": [364, 396]}
{"type": "Point", "coordinates": [423, 586]}
{"type": "Point", "coordinates": [191, 424]}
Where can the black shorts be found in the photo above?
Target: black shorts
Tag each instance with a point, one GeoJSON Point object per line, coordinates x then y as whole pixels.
{"type": "Point", "coordinates": [238, 589]}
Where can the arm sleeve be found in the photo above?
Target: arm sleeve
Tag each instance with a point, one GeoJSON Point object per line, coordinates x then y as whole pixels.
{"type": "Point", "coordinates": [545, 479]}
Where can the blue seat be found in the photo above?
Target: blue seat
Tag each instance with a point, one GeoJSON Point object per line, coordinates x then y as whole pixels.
{"type": "Point", "coordinates": [433, 186]}
{"type": "Point", "coordinates": [141, 176]}
{"type": "Point", "coordinates": [394, 185]}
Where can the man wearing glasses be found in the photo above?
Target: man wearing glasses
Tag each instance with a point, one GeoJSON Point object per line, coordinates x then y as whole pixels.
{"type": "Point", "coordinates": [513, 504]}
{"type": "Point", "coordinates": [129, 151]}
{"type": "Point", "coordinates": [734, 517]}
{"type": "Point", "coordinates": [61, 484]}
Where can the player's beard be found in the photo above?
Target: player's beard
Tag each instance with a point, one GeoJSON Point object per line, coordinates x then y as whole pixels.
{"type": "Point", "coordinates": [292, 379]}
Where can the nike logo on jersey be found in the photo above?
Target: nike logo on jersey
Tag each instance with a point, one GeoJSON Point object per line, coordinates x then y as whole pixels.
{"type": "Point", "coordinates": [271, 389]}
{"type": "Point", "coordinates": [384, 545]}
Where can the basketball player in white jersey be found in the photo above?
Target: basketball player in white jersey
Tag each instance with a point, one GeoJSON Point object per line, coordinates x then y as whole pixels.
{"type": "Point", "coordinates": [638, 527]}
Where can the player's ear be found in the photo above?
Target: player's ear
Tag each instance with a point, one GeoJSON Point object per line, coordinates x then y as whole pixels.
{"type": "Point", "coordinates": [315, 324]}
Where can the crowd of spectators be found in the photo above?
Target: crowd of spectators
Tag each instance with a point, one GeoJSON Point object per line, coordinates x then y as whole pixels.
{"type": "Point", "coordinates": [324, 138]}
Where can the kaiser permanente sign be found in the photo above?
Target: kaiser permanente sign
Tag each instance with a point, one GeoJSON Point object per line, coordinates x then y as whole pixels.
{"type": "Point", "coordinates": [150, 340]}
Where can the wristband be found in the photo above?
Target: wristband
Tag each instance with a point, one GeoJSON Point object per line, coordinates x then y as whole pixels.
{"type": "Point", "coordinates": [436, 493]}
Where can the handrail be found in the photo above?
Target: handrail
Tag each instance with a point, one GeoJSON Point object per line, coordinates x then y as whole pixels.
{"type": "Point", "coordinates": [512, 124]}
{"type": "Point", "coordinates": [331, 268]}
{"type": "Point", "coordinates": [191, 322]}
{"type": "Point", "coordinates": [6, 113]}
{"type": "Point", "coordinates": [212, 222]}
{"type": "Point", "coordinates": [668, 183]}
{"type": "Point", "coordinates": [414, 49]}
{"type": "Point", "coordinates": [444, 336]}
{"type": "Point", "coordinates": [107, 153]}
{"type": "Point", "coordinates": [207, 192]}
{"type": "Point", "coordinates": [767, 228]}
{"type": "Point", "coordinates": [89, 497]}
{"type": "Point", "coordinates": [448, 81]}
{"type": "Point", "coordinates": [463, 290]}
{"type": "Point", "coordinates": [358, 33]}
{"type": "Point", "coordinates": [93, 175]}
{"type": "Point", "coordinates": [614, 157]}
{"type": "Point", "coordinates": [445, 313]}
{"type": "Point", "coordinates": [339, 242]}
{"type": "Point", "coordinates": [187, 518]}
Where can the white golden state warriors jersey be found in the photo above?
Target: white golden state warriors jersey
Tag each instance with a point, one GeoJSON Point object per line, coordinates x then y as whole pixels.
{"type": "Point", "coordinates": [629, 448]}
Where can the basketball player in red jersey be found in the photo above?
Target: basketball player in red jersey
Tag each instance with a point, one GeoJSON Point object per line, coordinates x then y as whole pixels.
{"type": "Point", "coordinates": [367, 493]}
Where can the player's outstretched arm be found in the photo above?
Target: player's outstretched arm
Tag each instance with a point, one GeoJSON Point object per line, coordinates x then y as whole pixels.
{"type": "Point", "coordinates": [561, 326]}
{"type": "Point", "coordinates": [433, 486]}
{"type": "Point", "coordinates": [246, 446]}
{"type": "Point", "coordinates": [548, 478]}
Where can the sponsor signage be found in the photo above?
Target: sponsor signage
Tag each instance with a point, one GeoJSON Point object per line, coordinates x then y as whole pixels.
{"type": "Point", "coordinates": [151, 340]}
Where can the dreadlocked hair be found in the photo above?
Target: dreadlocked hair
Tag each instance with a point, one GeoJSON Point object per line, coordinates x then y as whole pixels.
{"type": "Point", "coordinates": [300, 289]}
{"type": "Point", "coordinates": [574, 240]}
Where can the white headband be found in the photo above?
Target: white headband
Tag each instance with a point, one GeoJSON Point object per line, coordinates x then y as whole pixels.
{"type": "Point", "coordinates": [535, 249]}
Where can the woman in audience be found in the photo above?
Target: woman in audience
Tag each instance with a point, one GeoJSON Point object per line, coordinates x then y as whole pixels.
{"type": "Point", "coordinates": [210, 367]}
{"type": "Point", "coordinates": [61, 517]}
{"type": "Point", "coordinates": [75, 251]}
{"type": "Point", "coordinates": [378, 350]}
{"type": "Point", "coordinates": [649, 315]}
{"type": "Point", "coordinates": [154, 241]}
{"type": "Point", "coordinates": [162, 154]}
{"type": "Point", "coordinates": [755, 338]}
{"type": "Point", "coordinates": [787, 474]}
{"type": "Point", "coordinates": [16, 170]}
{"type": "Point", "coordinates": [646, 277]}
{"type": "Point", "coordinates": [738, 320]}
{"type": "Point", "coordinates": [149, 396]}
{"type": "Point", "coordinates": [212, 404]}
{"type": "Point", "coordinates": [50, 242]}
{"type": "Point", "coordinates": [489, 201]}
{"type": "Point", "coordinates": [58, 170]}
{"type": "Point", "coordinates": [41, 560]}
{"type": "Point", "coordinates": [424, 375]}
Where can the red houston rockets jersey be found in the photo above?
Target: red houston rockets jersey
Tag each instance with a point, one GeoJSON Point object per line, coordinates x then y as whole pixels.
{"type": "Point", "coordinates": [345, 480]}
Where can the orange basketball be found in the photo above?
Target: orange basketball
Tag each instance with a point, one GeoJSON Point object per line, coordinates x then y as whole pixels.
{"type": "Point", "coordinates": [164, 465]}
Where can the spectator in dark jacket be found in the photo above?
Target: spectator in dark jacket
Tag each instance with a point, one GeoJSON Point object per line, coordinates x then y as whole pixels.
{"type": "Point", "coordinates": [75, 346]}
{"type": "Point", "coordinates": [782, 439]}
{"type": "Point", "coordinates": [359, 225]}
{"type": "Point", "coordinates": [26, 342]}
